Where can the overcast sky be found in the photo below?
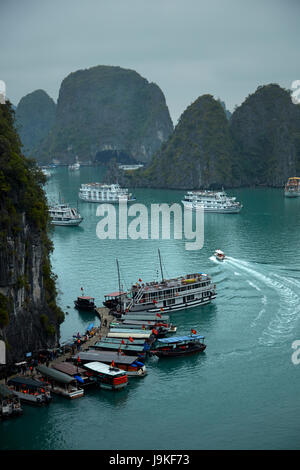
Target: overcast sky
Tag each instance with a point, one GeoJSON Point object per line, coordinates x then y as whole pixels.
{"type": "Point", "coordinates": [188, 47]}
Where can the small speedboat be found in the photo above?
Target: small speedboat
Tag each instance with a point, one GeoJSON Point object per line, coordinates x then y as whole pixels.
{"type": "Point", "coordinates": [219, 255]}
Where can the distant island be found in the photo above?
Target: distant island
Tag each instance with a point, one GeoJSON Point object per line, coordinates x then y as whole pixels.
{"type": "Point", "coordinates": [258, 146]}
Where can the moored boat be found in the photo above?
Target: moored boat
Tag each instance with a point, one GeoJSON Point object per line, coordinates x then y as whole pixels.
{"type": "Point", "coordinates": [292, 187]}
{"type": "Point", "coordinates": [85, 303]}
{"type": "Point", "coordinates": [107, 377]}
{"type": "Point", "coordinates": [29, 390]}
{"type": "Point", "coordinates": [9, 403]}
{"type": "Point", "coordinates": [179, 346]}
{"type": "Point", "coordinates": [132, 365]}
{"type": "Point", "coordinates": [75, 372]}
{"type": "Point", "coordinates": [60, 383]}
{"type": "Point", "coordinates": [167, 295]}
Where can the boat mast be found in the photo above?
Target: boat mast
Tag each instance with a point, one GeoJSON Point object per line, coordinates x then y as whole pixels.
{"type": "Point", "coordinates": [161, 269]}
{"type": "Point", "coordinates": [119, 281]}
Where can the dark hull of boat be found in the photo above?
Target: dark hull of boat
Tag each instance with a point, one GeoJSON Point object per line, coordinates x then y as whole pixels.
{"type": "Point", "coordinates": [90, 308]}
{"type": "Point", "coordinates": [179, 352]}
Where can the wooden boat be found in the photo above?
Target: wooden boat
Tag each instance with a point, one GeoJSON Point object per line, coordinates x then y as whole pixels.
{"type": "Point", "coordinates": [129, 349]}
{"type": "Point", "coordinates": [60, 383]}
{"type": "Point", "coordinates": [107, 377]}
{"type": "Point", "coordinates": [9, 403]}
{"type": "Point", "coordinates": [179, 346]}
{"type": "Point", "coordinates": [123, 333]}
{"type": "Point", "coordinates": [74, 371]}
{"type": "Point", "coordinates": [132, 365]}
{"type": "Point", "coordinates": [85, 303]}
{"type": "Point", "coordinates": [31, 391]}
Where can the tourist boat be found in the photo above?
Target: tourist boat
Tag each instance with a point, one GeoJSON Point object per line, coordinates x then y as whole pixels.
{"type": "Point", "coordinates": [211, 201]}
{"type": "Point", "coordinates": [292, 187]}
{"type": "Point", "coordinates": [162, 328]}
{"type": "Point", "coordinates": [179, 346]}
{"type": "Point", "coordinates": [107, 377]}
{"type": "Point", "coordinates": [9, 403]}
{"type": "Point", "coordinates": [114, 344]}
{"type": "Point", "coordinates": [219, 255]}
{"type": "Point", "coordinates": [168, 295]}
{"type": "Point", "coordinates": [60, 383]}
{"type": "Point", "coordinates": [31, 391]}
{"type": "Point", "coordinates": [85, 303]}
{"type": "Point", "coordinates": [63, 214]}
{"type": "Point", "coordinates": [104, 193]}
{"type": "Point", "coordinates": [132, 365]}
{"type": "Point", "coordinates": [75, 166]}
{"type": "Point", "coordinates": [74, 371]}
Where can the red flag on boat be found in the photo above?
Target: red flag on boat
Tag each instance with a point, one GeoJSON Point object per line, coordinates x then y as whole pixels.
{"type": "Point", "coordinates": [194, 332]}
{"type": "Point", "coordinates": [158, 315]}
{"type": "Point", "coordinates": [123, 342]}
{"type": "Point", "coordinates": [130, 339]}
{"type": "Point", "coordinates": [154, 301]}
{"type": "Point", "coordinates": [78, 359]}
{"type": "Point", "coordinates": [154, 331]}
{"type": "Point", "coordinates": [140, 280]}
{"type": "Point", "coordinates": [112, 364]}
{"type": "Point", "coordinates": [81, 288]}
{"type": "Point", "coordinates": [161, 309]}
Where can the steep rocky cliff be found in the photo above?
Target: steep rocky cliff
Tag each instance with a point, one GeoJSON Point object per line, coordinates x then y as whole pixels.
{"type": "Point", "coordinates": [266, 132]}
{"type": "Point", "coordinates": [197, 155]}
{"type": "Point", "coordinates": [104, 109]}
{"type": "Point", "coordinates": [29, 316]}
{"type": "Point", "coordinates": [35, 116]}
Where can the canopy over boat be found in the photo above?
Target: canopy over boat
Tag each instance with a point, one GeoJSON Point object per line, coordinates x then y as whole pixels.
{"type": "Point", "coordinates": [115, 294]}
{"type": "Point", "coordinates": [125, 334]}
{"type": "Point", "coordinates": [26, 381]}
{"type": "Point", "coordinates": [115, 346]}
{"type": "Point", "coordinates": [179, 339]}
{"type": "Point", "coordinates": [68, 368]}
{"type": "Point", "coordinates": [105, 357]}
{"type": "Point", "coordinates": [55, 374]}
{"type": "Point", "coordinates": [104, 369]}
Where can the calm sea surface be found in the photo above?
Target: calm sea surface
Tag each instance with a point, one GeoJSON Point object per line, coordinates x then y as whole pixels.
{"type": "Point", "coordinates": [243, 392]}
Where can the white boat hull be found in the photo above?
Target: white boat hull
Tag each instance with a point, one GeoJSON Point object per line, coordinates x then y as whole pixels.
{"type": "Point", "coordinates": [67, 223]}
{"type": "Point", "coordinates": [219, 210]}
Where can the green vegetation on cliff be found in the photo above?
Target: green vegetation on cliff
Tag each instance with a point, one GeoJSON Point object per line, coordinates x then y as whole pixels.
{"type": "Point", "coordinates": [197, 154]}
{"type": "Point", "coordinates": [35, 116]}
{"type": "Point", "coordinates": [266, 132]}
{"type": "Point", "coordinates": [107, 108]}
{"type": "Point", "coordinates": [24, 243]}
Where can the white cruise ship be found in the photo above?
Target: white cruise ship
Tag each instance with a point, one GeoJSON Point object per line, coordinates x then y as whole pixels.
{"type": "Point", "coordinates": [211, 201]}
{"type": "Point", "coordinates": [109, 193]}
{"type": "Point", "coordinates": [63, 214]}
{"type": "Point", "coordinates": [168, 295]}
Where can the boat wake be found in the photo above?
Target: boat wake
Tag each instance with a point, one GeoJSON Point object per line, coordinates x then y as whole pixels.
{"type": "Point", "coordinates": [287, 308]}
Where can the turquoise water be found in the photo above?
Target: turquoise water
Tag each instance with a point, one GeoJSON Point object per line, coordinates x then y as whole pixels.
{"type": "Point", "coordinates": [243, 392]}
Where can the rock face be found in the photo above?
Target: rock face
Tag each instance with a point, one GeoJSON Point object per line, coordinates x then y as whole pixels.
{"type": "Point", "coordinates": [29, 316]}
{"type": "Point", "coordinates": [266, 132]}
{"type": "Point", "coordinates": [197, 155]}
{"type": "Point", "coordinates": [35, 116]}
{"type": "Point", "coordinates": [107, 109]}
